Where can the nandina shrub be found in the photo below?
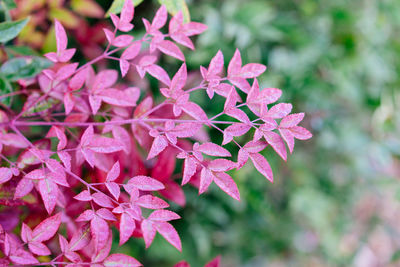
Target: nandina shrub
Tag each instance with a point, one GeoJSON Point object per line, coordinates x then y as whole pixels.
{"type": "Point", "coordinates": [87, 152]}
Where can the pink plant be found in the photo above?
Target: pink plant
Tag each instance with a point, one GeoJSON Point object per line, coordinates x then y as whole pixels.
{"type": "Point", "coordinates": [94, 175]}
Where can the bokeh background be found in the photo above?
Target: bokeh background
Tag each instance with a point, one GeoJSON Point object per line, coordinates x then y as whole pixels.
{"type": "Point", "coordinates": [336, 200]}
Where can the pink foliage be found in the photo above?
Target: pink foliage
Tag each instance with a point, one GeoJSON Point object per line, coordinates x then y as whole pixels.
{"type": "Point", "coordinates": [101, 124]}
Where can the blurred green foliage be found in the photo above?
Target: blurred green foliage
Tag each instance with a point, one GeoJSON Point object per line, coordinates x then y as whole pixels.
{"type": "Point", "coordinates": [334, 201]}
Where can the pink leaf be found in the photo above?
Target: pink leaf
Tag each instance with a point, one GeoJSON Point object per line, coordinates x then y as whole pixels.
{"type": "Point", "coordinates": [63, 243]}
{"type": "Point", "coordinates": [106, 214]}
{"type": "Point", "coordinates": [221, 165]}
{"type": "Point", "coordinates": [39, 249]}
{"type": "Point", "coordinates": [149, 232]}
{"type": "Point", "coordinates": [255, 146]}
{"type": "Point", "coordinates": [213, 150]}
{"type": "Point", "coordinates": [61, 137]}
{"type": "Point", "coordinates": [163, 216]}
{"type": "Point", "coordinates": [100, 232]}
{"type": "Point", "coordinates": [126, 227]}
{"type": "Point", "coordinates": [159, 144]}
{"type": "Point", "coordinates": [46, 229]}
{"type": "Point", "coordinates": [171, 49]}
{"type": "Point", "coordinates": [80, 239]}
{"type": "Point", "coordinates": [186, 129]}
{"type": "Point", "coordinates": [104, 250]}
{"type": "Point", "coordinates": [102, 199]}
{"type": "Point", "coordinates": [277, 143]}
{"type": "Point", "coordinates": [236, 129]}
{"type": "Point", "coordinates": [66, 71]}
{"type": "Point", "coordinates": [226, 183]}
{"type": "Point", "coordinates": [127, 12]}
{"type": "Point", "coordinates": [159, 73]}
{"type": "Point", "coordinates": [194, 28]}
{"type": "Point", "coordinates": [123, 98]}
{"type": "Point", "coordinates": [114, 189]}
{"type": "Point", "coordinates": [23, 188]}
{"type": "Point", "coordinates": [69, 102]}
{"type": "Point", "coordinates": [122, 40]}
{"type": "Point", "coordinates": [124, 65]}
{"type": "Point", "coordinates": [291, 120]}
{"type": "Point", "coordinates": [151, 202]}
{"type": "Point", "coordinates": [121, 260]}
{"type": "Point", "coordinates": [113, 173]}
{"type": "Point", "coordinates": [65, 159]}
{"type": "Point", "coordinates": [206, 178]}
{"type": "Point", "coordinates": [252, 70]}
{"type": "Point", "coordinates": [61, 37]}
{"type": "Point", "coordinates": [235, 64]}
{"type": "Point", "coordinates": [26, 233]}
{"type": "Point", "coordinates": [85, 216]}
{"type": "Point", "coordinates": [23, 257]}
{"type": "Point", "coordinates": [14, 140]}
{"type": "Point", "coordinates": [217, 64]}
{"type": "Point", "coordinates": [132, 51]}
{"type": "Point", "coordinates": [189, 169]}
{"type": "Point", "coordinates": [179, 79]}
{"type": "Point", "coordinates": [287, 135]}
{"type": "Point", "coordinates": [170, 234]}
{"type": "Point", "coordinates": [160, 18]}
{"type": "Point", "coordinates": [83, 196]}
{"type": "Point", "coordinates": [195, 111]}
{"type": "Point", "coordinates": [145, 183]}
{"type": "Point", "coordinates": [300, 133]}
{"type": "Point", "coordinates": [49, 192]}
{"type": "Point", "coordinates": [120, 133]}
{"type": "Point", "coordinates": [5, 175]}
{"type": "Point", "coordinates": [279, 110]}
{"type": "Point", "coordinates": [104, 145]}
{"type": "Point", "coordinates": [262, 166]}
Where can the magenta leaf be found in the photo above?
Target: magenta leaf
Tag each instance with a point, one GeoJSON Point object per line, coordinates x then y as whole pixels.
{"type": "Point", "coordinates": [149, 232]}
{"type": "Point", "coordinates": [23, 257]}
{"type": "Point", "coordinates": [189, 169]}
{"type": "Point", "coordinates": [252, 70]}
{"type": "Point", "coordinates": [206, 178]}
{"type": "Point", "coordinates": [132, 51]}
{"type": "Point", "coordinates": [39, 249]}
{"type": "Point", "coordinates": [80, 239]}
{"type": "Point", "coordinates": [291, 120]}
{"type": "Point", "coordinates": [214, 263]}
{"type": "Point", "coordinates": [83, 196]}
{"type": "Point", "coordinates": [100, 232]}
{"type": "Point", "coordinates": [23, 188]}
{"type": "Point", "coordinates": [113, 173]}
{"type": "Point", "coordinates": [277, 143]}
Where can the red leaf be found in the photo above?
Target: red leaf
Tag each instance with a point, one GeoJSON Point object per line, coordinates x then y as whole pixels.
{"type": "Point", "coordinates": [121, 260]}
{"type": "Point", "coordinates": [126, 227]}
{"type": "Point", "coordinates": [170, 234]}
{"type": "Point", "coordinates": [226, 183]}
{"type": "Point", "coordinates": [46, 229]}
{"type": "Point", "coordinates": [145, 183]}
